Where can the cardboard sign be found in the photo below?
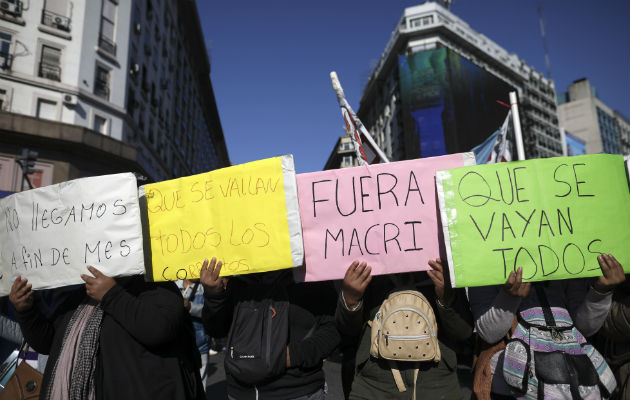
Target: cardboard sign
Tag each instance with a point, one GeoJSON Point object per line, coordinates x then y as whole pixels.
{"type": "Point", "coordinates": [384, 214]}
{"type": "Point", "coordinates": [246, 216]}
{"type": "Point", "coordinates": [49, 235]}
{"type": "Point", "coordinates": [552, 217]}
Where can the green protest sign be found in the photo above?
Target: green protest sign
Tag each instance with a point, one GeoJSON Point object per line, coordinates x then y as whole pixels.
{"type": "Point", "coordinates": [552, 217]}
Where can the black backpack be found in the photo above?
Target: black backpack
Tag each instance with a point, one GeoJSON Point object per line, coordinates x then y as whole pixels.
{"type": "Point", "coordinates": [257, 341]}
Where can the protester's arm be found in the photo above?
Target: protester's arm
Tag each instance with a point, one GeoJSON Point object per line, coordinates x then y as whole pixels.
{"type": "Point", "coordinates": [589, 304]}
{"type": "Point", "coordinates": [454, 319]}
{"type": "Point", "coordinates": [309, 352]}
{"type": "Point", "coordinates": [349, 314]}
{"type": "Point", "coordinates": [37, 330]}
{"type": "Point", "coordinates": [217, 309]}
{"type": "Point", "coordinates": [10, 330]}
{"type": "Point", "coordinates": [153, 318]}
{"type": "Point", "coordinates": [617, 323]}
{"type": "Point", "coordinates": [494, 307]}
{"type": "Point", "coordinates": [451, 305]}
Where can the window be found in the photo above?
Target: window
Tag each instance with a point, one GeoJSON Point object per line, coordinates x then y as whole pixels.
{"type": "Point", "coordinates": [50, 64]}
{"type": "Point", "coordinates": [5, 50]}
{"type": "Point", "coordinates": [428, 20]}
{"type": "Point", "coordinates": [101, 82]}
{"type": "Point", "coordinates": [346, 161]}
{"type": "Point", "coordinates": [46, 109]}
{"type": "Point", "coordinates": [346, 146]}
{"type": "Point", "coordinates": [55, 14]}
{"type": "Point", "coordinates": [100, 124]}
{"type": "Point", "coordinates": [4, 104]}
{"type": "Point", "coordinates": [108, 22]}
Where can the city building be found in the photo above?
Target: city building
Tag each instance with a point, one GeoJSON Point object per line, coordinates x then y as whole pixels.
{"type": "Point", "coordinates": [435, 90]}
{"type": "Point", "coordinates": [343, 154]}
{"type": "Point", "coordinates": [623, 132]}
{"type": "Point", "coordinates": [135, 72]}
{"type": "Point", "coordinates": [582, 113]}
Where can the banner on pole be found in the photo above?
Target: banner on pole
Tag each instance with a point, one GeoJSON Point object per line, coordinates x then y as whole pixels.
{"type": "Point", "coordinates": [51, 234]}
{"type": "Point", "coordinates": [366, 149]}
{"type": "Point", "coordinates": [552, 217]}
{"type": "Point", "coordinates": [385, 214]}
{"type": "Point", "coordinates": [246, 216]}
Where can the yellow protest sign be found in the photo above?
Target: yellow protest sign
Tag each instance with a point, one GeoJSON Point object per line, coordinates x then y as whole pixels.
{"type": "Point", "coordinates": [245, 215]}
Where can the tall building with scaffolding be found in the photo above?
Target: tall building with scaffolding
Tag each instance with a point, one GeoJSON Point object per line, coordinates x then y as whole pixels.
{"type": "Point", "coordinates": [435, 87]}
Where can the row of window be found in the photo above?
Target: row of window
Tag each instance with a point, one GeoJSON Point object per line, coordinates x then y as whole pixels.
{"type": "Point", "coordinates": [49, 109]}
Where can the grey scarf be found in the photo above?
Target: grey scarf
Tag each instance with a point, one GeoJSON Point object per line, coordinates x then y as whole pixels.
{"type": "Point", "coordinates": [73, 374]}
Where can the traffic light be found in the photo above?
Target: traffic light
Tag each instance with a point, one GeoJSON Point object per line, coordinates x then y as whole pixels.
{"type": "Point", "coordinates": [28, 161]}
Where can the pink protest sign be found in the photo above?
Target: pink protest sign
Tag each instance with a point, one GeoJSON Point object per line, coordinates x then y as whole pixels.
{"type": "Point", "coordinates": [385, 214]}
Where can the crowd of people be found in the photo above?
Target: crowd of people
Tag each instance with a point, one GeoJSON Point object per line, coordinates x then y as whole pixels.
{"type": "Point", "coordinates": [400, 334]}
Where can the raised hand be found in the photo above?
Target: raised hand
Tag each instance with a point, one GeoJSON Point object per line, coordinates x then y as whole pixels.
{"type": "Point", "coordinates": [96, 287]}
{"type": "Point", "coordinates": [515, 286]}
{"type": "Point", "coordinates": [358, 276]}
{"type": "Point", "coordinates": [613, 273]}
{"type": "Point", "coordinates": [21, 295]}
{"type": "Point", "coordinates": [209, 276]}
{"type": "Point", "coordinates": [439, 276]}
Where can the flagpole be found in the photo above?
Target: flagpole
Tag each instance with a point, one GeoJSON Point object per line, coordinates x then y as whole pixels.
{"type": "Point", "coordinates": [520, 150]}
{"type": "Point", "coordinates": [355, 127]}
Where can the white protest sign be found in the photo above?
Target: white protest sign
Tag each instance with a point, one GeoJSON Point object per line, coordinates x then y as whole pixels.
{"type": "Point", "coordinates": [49, 235]}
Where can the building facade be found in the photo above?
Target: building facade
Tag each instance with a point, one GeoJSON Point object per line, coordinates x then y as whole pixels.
{"type": "Point", "coordinates": [343, 154]}
{"type": "Point", "coordinates": [583, 114]}
{"type": "Point", "coordinates": [135, 71]}
{"type": "Point", "coordinates": [435, 88]}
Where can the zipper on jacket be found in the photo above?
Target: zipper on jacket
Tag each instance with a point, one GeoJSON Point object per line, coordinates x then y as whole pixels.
{"type": "Point", "coordinates": [268, 349]}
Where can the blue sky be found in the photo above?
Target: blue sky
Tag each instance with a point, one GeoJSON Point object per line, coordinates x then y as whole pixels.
{"type": "Point", "coordinates": [271, 60]}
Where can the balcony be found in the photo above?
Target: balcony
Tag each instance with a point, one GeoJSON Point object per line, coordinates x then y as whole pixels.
{"type": "Point", "coordinates": [11, 7]}
{"type": "Point", "coordinates": [6, 60]}
{"type": "Point", "coordinates": [56, 21]}
{"type": "Point", "coordinates": [107, 45]}
{"type": "Point", "coordinates": [50, 71]}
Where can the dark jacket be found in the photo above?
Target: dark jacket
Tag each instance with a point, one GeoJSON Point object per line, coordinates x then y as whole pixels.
{"type": "Point", "coordinates": [613, 339]}
{"type": "Point", "coordinates": [145, 341]}
{"type": "Point", "coordinates": [309, 314]}
{"type": "Point", "coordinates": [374, 379]}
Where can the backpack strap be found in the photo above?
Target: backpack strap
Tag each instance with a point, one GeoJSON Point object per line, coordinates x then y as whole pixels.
{"type": "Point", "coordinates": [399, 381]}
{"type": "Point", "coordinates": [415, 382]}
{"type": "Point", "coordinates": [544, 303]}
{"type": "Point", "coordinates": [397, 377]}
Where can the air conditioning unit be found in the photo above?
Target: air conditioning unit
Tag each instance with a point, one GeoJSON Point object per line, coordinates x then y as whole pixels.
{"type": "Point", "coordinates": [70, 99]}
{"type": "Point", "coordinates": [9, 7]}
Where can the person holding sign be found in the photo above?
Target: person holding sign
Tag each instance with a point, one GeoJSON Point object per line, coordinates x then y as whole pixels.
{"type": "Point", "coordinates": [278, 332]}
{"type": "Point", "coordinates": [547, 354]}
{"type": "Point", "coordinates": [118, 338]}
{"type": "Point", "coordinates": [360, 300]}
